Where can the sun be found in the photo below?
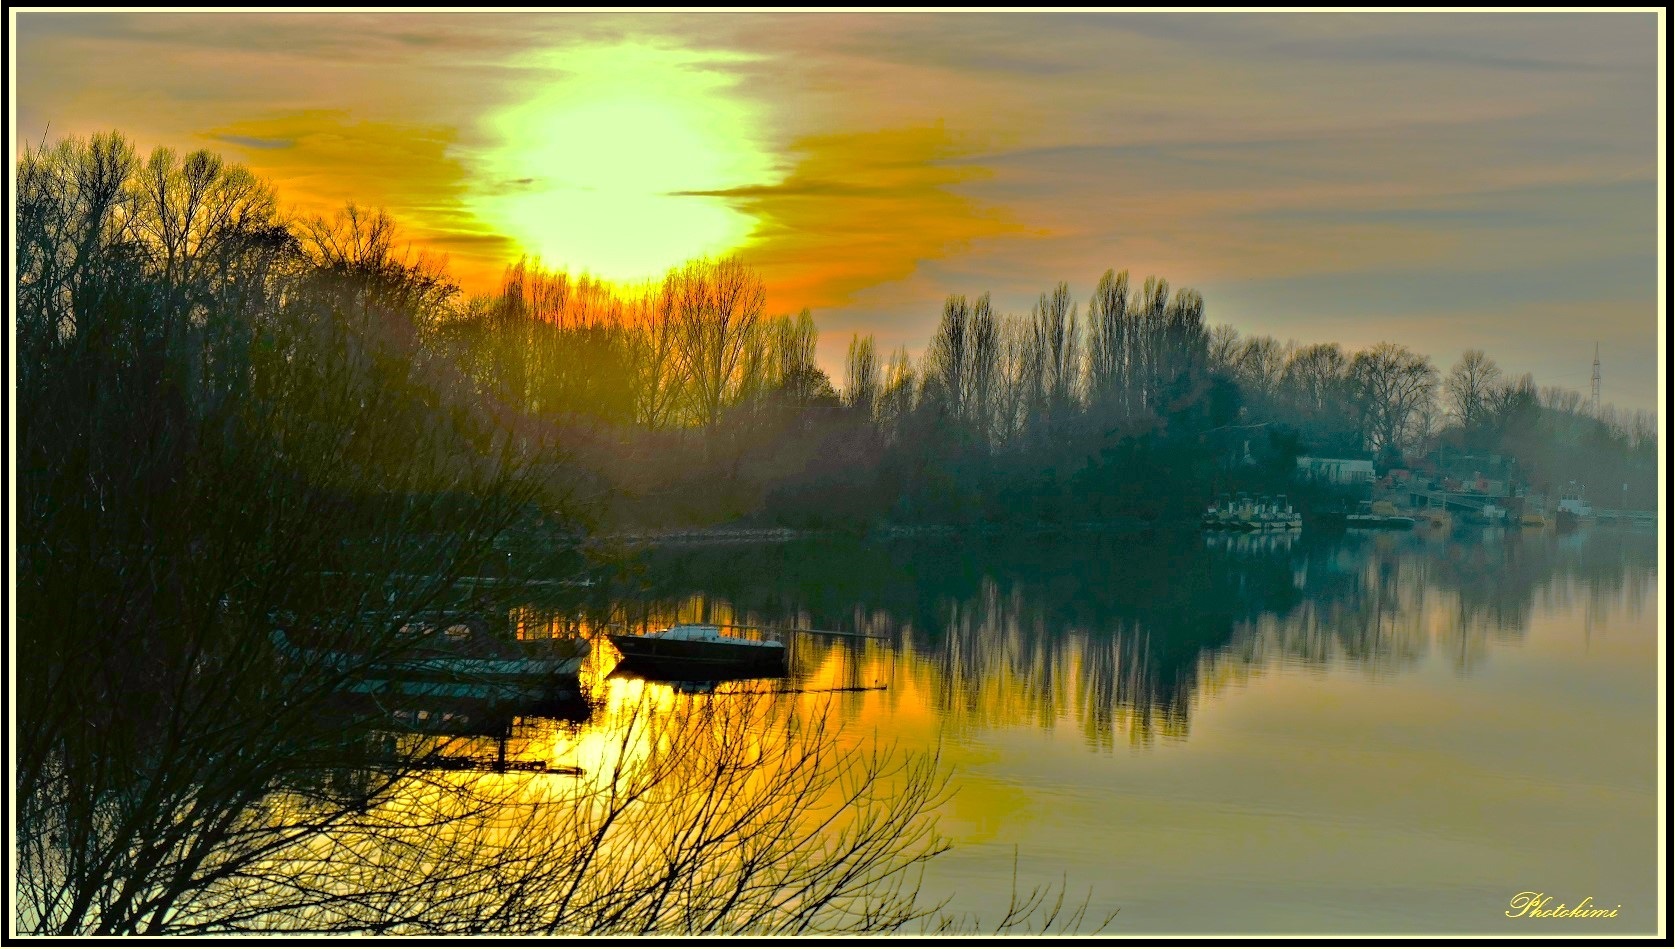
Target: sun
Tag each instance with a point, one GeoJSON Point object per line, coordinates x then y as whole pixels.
{"type": "Point", "coordinates": [597, 170]}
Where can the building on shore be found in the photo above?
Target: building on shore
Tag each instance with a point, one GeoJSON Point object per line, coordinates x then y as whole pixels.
{"type": "Point", "coordinates": [1336, 470]}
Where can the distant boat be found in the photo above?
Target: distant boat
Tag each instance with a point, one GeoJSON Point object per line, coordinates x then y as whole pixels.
{"type": "Point", "coordinates": [699, 651]}
{"type": "Point", "coordinates": [1571, 503]}
{"type": "Point", "coordinates": [1573, 512]}
{"type": "Point", "coordinates": [1244, 514]}
{"type": "Point", "coordinates": [1215, 515]}
{"type": "Point", "coordinates": [1279, 515]}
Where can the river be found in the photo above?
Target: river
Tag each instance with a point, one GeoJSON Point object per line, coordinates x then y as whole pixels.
{"type": "Point", "coordinates": [1360, 733]}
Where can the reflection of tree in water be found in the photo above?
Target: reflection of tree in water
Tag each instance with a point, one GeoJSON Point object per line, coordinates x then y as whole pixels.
{"type": "Point", "coordinates": [1120, 634]}
{"type": "Point", "coordinates": [1493, 584]}
{"type": "Point", "coordinates": [1108, 632]}
{"type": "Point", "coordinates": [1358, 602]}
{"type": "Point", "coordinates": [1385, 601]}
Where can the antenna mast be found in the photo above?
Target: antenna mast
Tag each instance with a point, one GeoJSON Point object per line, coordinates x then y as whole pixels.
{"type": "Point", "coordinates": [1594, 396]}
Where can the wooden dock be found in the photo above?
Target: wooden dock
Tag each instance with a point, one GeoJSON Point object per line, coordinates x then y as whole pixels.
{"type": "Point", "coordinates": [1459, 501]}
{"type": "Point", "coordinates": [1641, 518]}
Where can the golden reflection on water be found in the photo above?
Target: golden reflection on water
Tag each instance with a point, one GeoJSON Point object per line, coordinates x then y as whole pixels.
{"type": "Point", "coordinates": [1378, 708]}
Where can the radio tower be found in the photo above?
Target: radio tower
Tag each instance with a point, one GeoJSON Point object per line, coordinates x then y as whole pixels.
{"type": "Point", "coordinates": [1594, 395]}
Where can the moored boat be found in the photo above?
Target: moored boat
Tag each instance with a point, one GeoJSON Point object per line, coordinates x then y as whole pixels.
{"type": "Point", "coordinates": [1244, 514]}
{"type": "Point", "coordinates": [1572, 511]}
{"type": "Point", "coordinates": [1215, 516]}
{"type": "Point", "coordinates": [697, 647]}
{"type": "Point", "coordinates": [1282, 516]}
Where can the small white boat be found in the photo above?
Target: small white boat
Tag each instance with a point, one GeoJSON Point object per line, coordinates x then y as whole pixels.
{"type": "Point", "coordinates": [1243, 514]}
{"type": "Point", "coordinates": [1571, 503]}
{"type": "Point", "coordinates": [1573, 512]}
{"type": "Point", "coordinates": [1281, 516]}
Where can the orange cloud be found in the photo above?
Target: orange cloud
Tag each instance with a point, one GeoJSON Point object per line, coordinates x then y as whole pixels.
{"type": "Point", "coordinates": [860, 209]}
{"type": "Point", "coordinates": [320, 159]}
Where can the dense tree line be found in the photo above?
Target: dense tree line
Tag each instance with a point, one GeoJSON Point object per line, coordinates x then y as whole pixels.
{"type": "Point", "coordinates": [1394, 405]}
{"type": "Point", "coordinates": [687, 404]}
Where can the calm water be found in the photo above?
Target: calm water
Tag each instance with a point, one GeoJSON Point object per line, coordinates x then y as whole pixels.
{"type": "Point", "coordinates": [1353, 734]}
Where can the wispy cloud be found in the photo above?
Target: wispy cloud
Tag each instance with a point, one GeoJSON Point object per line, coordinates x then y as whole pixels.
{"type": "Point", "coordinates": [251, 141]}
{"type": "Point", "coordinates": [329, 158]}
{"type": "Point", "coordinates": [861, 209]}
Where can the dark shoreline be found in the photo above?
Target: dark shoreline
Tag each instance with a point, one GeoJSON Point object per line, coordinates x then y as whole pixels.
{"type": "Point", "coordinates": [752, 535]}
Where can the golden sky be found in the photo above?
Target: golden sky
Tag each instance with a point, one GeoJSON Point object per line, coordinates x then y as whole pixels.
{"type": "Point", "coordinates": [1443, 180]}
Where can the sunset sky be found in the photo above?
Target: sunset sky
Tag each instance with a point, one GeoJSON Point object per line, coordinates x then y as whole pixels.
{"type": "Point", "coordinates": [1442, 180]}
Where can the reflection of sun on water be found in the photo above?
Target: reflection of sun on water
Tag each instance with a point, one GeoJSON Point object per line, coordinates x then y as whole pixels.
{"type": "Point", "coordinates": [587, 172]}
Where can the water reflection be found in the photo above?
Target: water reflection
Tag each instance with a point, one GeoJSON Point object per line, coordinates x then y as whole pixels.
{"type": "Point", "coordinates": [1112, 643]}
{"type": "Point", "coordinates": [1119, 635]}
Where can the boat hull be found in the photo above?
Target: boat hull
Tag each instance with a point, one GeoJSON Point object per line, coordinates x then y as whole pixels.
{"type": "Point", "coordinates": [1567, 520]}
{"type": "Point", "coordinates": [697, 659]}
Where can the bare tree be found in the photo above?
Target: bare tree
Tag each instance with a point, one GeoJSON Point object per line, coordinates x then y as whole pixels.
{"type": "Point", "coordinates": [1390, 385]}
{"type": "Point", "coordinates": [1314, 376]}
{"type": "Point", "coordinates": [1147, 351]}
{"type": "Point", "coordinates": [186, 208]}
{"type": "Point", "coordinates": [961, 363]}
{"type": "Point", "coordinates": [1511, 408]}
{"type": "Point", "coordinates": [688, 822]}
{"type": "Point", "coordinates": [896, 401]}
{"type": "Point", "coordinates": [948, 357]}
{"type": "Point", "coordinates": [657, 379]}
{"type": "Point", "coordinates": [1109, 380]}
{"type": "Point", "coordinates": [151, 753]}
{"type": "Point", "coordinates": [983, 375]}
{"type": "Point", "coordinates": [75, 209]}
{"type": "Point", "coordinates": [1561, 400]}
{"type": "Point", "coordinates": [717, 307]}
{"type": "Point", "coordinates": [1259, 366]}
{"type": "Point", "coordinates": [1179, 351]}
{"type": "Point", "coordinates": [796, 374]}
{"type": "Point", "coordinates": [860, 387]}
{"type": "Point", "coordinates": [1469, 387]}
{"type": "Point", "coordinates": [360, 246]}
{"type": "Point", "coordinates": [1643, 429]}
{"type": "Point", "coordinates": [1057, 344]}
{"type": "Point", "coordinates": [1224, 346]}
{"type": "Point", "coordinates": [1022, 382]}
